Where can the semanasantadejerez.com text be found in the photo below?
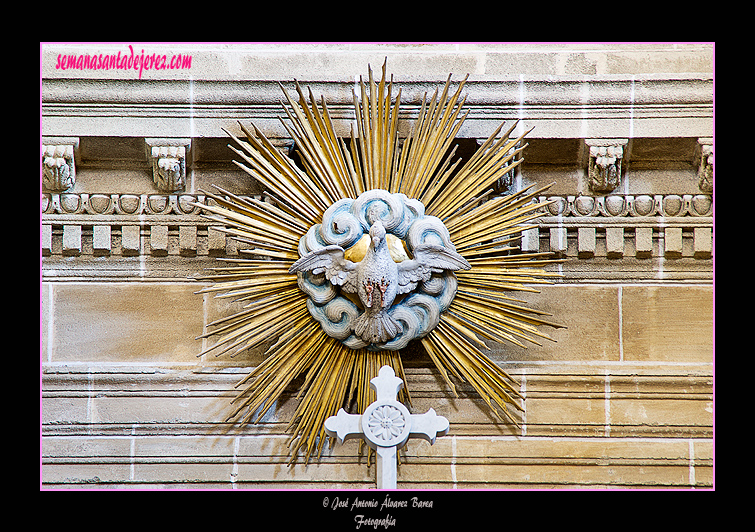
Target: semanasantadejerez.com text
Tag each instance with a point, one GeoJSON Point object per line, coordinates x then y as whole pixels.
{"type": "Point", "coordinates": [123, 61]}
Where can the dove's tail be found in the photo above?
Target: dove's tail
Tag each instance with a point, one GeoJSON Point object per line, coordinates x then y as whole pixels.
{"type": "Point", "coordinates": [376, 328]}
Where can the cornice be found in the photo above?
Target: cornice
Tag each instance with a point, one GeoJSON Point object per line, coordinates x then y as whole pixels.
{"type": "Point", "coordinates": [553, 90]}
{"type": "Point", "coordinates": [558, 107]}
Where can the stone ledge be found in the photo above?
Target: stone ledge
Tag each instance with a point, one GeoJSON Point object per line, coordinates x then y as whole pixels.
{"type": "Point", "coordinates": [558, 108]}
{"type": "Point", "coordinates": [582, 227]}
{"type": "Point", "coordinates": [229, 461]}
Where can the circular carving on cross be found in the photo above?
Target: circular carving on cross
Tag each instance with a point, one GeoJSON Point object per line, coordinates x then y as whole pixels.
{"type": "Point", "coordinates": [386, 424]}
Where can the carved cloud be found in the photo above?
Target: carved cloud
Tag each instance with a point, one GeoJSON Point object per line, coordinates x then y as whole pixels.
{"type": "Point", "coordinates": [343, 224]}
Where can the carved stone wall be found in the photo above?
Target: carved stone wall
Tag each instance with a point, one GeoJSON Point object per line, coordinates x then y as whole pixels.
{"type": "Point", "coordinates": [623, 398]}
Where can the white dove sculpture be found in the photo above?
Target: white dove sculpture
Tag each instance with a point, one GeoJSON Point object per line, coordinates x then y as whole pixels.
{"type": "Point", "coordinates": [377, 279]}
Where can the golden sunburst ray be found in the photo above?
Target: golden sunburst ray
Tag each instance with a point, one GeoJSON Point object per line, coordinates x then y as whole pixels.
{"type": "Point", "coordinates": [485, 230]}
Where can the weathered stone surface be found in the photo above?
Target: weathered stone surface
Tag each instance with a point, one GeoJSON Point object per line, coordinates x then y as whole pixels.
{"type": "Point", "coordinates": [591, 314]}
{"type": "Point", "coordinates": [125, 323]}
{"type": "Point", "coordinates": [668, 323]}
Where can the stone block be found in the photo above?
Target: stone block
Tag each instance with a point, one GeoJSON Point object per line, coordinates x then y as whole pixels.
{"type": "Point", "coordinates": [68, 410]}
{"type": "Point", "coordinates": [114, 322]}
{"type": "Point", "coordinates": [703, 242]}
{"type": "Point", "coordinates": [72, 240]}
{"type": "Point", "coordinates": [215, 242]}
{"type": "Point", "coordinates": [662, 405]}
{"type": "Point", "coordinates": [672, 248]}
{"type": "Point", "coordinates": [165, 407]}
{"type": "Point", "coordinates": [90, 475]}
{"type": "Point", "coordinates": [531, 240]}
{"type": "Point", "coordinates": [591, 314]}
{"type": "Point", "coordinates": [187, 240]}
{"type": "Point", "coordinates": [558, 240]}
{"type": "Point", "coordinates": [658, 415]}
{"type": "Point", "coordinates": [101, 240]}
{"type": "Point", "coordinates": [130, 240]}
{"type": "Point", "coordinates": [614, 242]}
{"type": "Point", "coordinates": [158, 240]}
{"type": "Point", "coordinates": [558, 405]}
{"type": "Point", "coordinates": [45, 238]}
{"type": "Point", "coordinates": [643, 242]}
{"type": "Point", "coordinates": [668, 323]}
{"type": "Point", "coordinates": [586, 242]}
{"type": "Point", "coordinates": [217, 308]}
{"type": "Point", "coordinates": [567, 415]}
{"type": "Point", "coordinates": [554, 462]}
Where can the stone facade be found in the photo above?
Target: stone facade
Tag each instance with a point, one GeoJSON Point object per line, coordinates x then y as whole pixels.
{"type": "Point", "coordinates": [623, 398]}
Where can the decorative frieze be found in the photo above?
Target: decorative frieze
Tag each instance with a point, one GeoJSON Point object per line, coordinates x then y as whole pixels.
{"type": "Point", "coordinates": [580, 228]}
{"type": "Point", "coordinates": [604, 165]}
{"type": "Point", "coordinates": [121, 204]}
{"type": "Point", "coordinates": [58, 164]}
{"type": "Point", "coordinates": [615, 227]}
{"type": "Point", "coordinates": [615, 206]}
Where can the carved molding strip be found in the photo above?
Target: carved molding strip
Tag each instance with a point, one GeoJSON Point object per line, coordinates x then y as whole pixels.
{"type": "Point", "coordinates": [669, 205]}
{"type": "Point", "coordinates": [583, 227]}
{"type": "Point", "coordinates": [230, 95]}
{"type": "Point", "coordinates": [121, 204]}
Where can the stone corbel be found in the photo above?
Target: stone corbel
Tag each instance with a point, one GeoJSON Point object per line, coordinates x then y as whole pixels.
{"type": "Point", "coordinates": [604, 169]}
{"type": "Point", "coordinates": [168, 159]}
{"type": "Point", "coordinates": [704, 158]}
{"type": "Point", "coordinates": [59, 163]}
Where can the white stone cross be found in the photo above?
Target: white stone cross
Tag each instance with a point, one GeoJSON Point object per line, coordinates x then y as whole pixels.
{"type": "Point", "coordinates": [386, 425]}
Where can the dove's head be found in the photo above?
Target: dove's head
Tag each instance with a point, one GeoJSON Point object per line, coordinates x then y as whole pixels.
{"type": "Point", "coordinates": [377, 233]}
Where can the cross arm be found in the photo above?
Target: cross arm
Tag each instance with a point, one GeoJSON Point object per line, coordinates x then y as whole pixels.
{"type": "Point", "coordinates": [428, 426]}
{"type": "Point", "coordinates": [344, 426]}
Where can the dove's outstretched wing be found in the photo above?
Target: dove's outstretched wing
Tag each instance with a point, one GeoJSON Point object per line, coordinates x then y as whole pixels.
{"type": "Point", "coordinates": [330, 260]}
{"type": "Point", "coordinates": [428, 259]}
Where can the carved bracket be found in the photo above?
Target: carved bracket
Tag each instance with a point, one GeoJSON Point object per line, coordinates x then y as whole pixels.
{"type": "Point", "coordinates": [705, 170]}
{"type": "Point", "coordinates": [58, 164]}
{"type": "Point", "coordinates": [168, 158]}
{"type": "Point", "coordinates": [604, 167]}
